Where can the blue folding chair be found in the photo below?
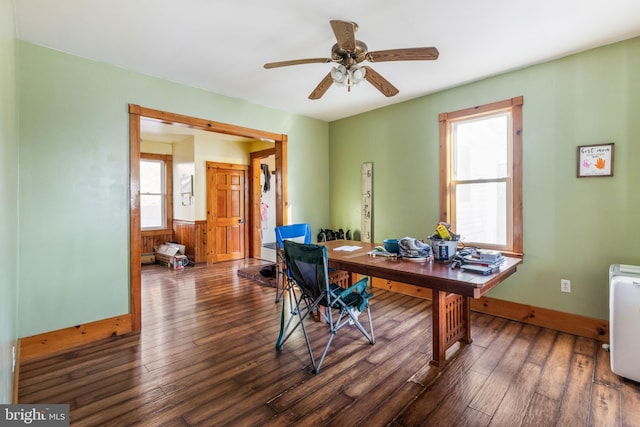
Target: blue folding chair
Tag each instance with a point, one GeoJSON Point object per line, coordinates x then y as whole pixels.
{"type": "Point", "coordinates": [300, 233]}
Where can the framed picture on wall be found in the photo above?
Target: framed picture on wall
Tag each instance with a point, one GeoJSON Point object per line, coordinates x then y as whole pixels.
{"type": "Point", "coordinates": [186, 185]}
{"type": "Point", "coordinates": [595, 160]}
{"type": "Point", "coordinates": [186, 189]}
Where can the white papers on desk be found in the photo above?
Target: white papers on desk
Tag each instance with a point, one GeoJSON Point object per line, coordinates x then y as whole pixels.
{"type": "Point", "coordinates": [347, 248]}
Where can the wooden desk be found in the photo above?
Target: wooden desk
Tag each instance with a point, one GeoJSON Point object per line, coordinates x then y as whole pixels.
{"type": "Point", "coordinates": [452, 288]}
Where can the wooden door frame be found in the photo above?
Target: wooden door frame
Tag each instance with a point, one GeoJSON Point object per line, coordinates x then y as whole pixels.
{"type": "Point", "coordinates": [136, 112]}
{"type": "Point", "coordinates": [255, 191]}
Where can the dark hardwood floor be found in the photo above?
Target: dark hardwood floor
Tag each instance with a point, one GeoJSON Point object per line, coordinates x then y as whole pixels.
{"type": "Point", "coordinates": [206, 357]}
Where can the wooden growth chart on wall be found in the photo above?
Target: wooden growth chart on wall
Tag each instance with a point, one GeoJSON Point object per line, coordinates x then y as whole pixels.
{"type": "Point", "coordinates": [367, 202]}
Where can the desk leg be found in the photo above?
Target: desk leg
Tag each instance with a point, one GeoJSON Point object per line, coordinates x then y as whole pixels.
{"type": "Point", "coordinates": [451, 319]}
{"type": "Point", "coordinates": [438, 328]}
{"type": "Point", "coordinates": [466, 307]}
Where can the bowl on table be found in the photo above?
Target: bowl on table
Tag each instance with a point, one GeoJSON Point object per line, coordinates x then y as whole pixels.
{"type": "Point", "coordinates": [391, 245]}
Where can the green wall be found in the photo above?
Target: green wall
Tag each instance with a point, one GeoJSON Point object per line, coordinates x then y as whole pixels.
{"type": "Point", "coordinates": [8, 198]}
{"type": "Point", "coordinates": [573, 228]}
{"type": "Point", "coordinates": [73, 170]}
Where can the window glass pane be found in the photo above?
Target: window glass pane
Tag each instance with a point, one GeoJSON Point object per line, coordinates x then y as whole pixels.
{"type": "Point", "coordinates": [151, 211]}
{"type": "Point", "coordinates": [151, 176]}
{"type": "Point", "coordinates": [480, 148]}
{"type": "Point", "coordinates": [481, 213]}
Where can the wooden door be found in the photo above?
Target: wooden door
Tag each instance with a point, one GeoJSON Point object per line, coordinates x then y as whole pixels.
{"type": "Point", "coordinates": [226, 207]}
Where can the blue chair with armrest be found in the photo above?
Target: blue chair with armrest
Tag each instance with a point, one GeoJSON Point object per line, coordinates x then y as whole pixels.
{"type": "Point", "coordinates": [299, 233]}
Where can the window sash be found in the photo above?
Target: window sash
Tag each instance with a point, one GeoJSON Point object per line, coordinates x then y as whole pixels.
{"type": "Point", "coordinates": [462, 213]}
{"type": "Point", "coordinates": [493, 135]}
{"type": "Point", "coordinates": [153, 204]}
{"type": "Point", "coordinates": [152, 211]}
{"type": "Point", "coordinates": [477, 148]}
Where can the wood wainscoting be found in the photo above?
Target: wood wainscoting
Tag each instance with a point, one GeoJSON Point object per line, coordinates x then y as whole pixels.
{"type": "Point", "coordinates": [193, 235]}
{"type": "Point", "coordinates": [575, 324]}
{"type": "Point", "coordinates": [151, 239]}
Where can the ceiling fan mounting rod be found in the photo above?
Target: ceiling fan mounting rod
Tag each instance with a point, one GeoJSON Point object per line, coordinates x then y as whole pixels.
{"type": "Point", "coordinates": [345, 57]}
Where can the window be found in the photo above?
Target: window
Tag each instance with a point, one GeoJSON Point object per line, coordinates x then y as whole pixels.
{"type": "Point", "coordinates": [155, 191]}
{"type": "Point", "coordinates": [481, 174]}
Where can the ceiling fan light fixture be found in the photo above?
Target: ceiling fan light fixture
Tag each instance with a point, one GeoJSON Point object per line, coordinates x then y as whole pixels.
{"type": "Point", "coordinates": [339, 75]}
{"type": "Point", "coordinates": [357, 74]}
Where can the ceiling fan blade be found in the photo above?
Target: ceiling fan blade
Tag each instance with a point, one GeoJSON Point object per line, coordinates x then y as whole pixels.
{"type": "Point", "coordinates": [322, 87]}
{"type": "Point", "coordinates": [345, 32]}
{"type": "Point", "coordinates": [410, 54]}
{"type": "Point", "coordinates": [380, 82]}
{"type": "Point", "coordinates": [297, 62]}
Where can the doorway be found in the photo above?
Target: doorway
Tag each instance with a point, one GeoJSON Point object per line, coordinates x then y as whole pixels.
{"type": "Point", "coordinates": [264, 203]}
{"type": "Point", "coordinates": [137, 112]}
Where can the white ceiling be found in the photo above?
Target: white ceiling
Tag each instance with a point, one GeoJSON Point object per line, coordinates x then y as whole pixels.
{"type": "Point", "coordinates": [221, 46]}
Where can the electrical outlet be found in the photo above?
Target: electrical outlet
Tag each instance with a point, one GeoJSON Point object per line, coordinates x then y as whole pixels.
{"type": "Point", "coordinates": [565, 285]}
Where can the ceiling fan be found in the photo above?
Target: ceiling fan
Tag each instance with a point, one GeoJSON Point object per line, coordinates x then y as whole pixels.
{"type": "Point", "coordinates": [349, 52]}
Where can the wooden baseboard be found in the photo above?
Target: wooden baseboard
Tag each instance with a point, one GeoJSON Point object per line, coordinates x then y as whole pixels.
{"type": "Point", "coordinates": [64, 339]}
{"type": "Point", "coordinates": [575, 324]}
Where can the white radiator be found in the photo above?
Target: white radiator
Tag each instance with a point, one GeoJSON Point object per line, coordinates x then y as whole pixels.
{"type": "Point", "coordinates": [624, 320]}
